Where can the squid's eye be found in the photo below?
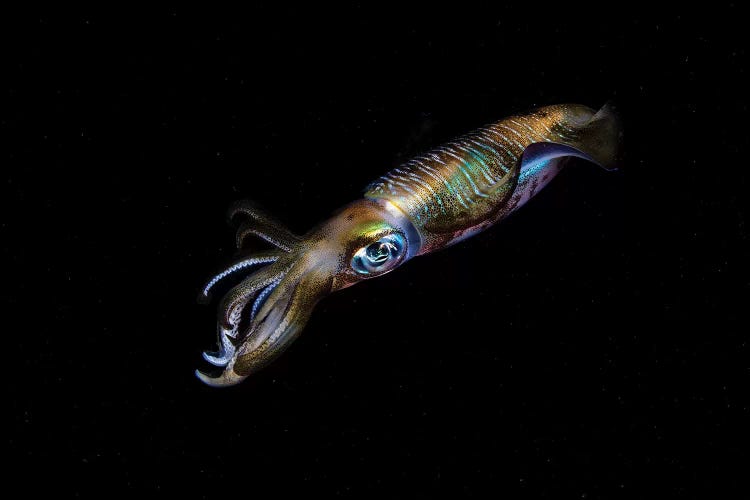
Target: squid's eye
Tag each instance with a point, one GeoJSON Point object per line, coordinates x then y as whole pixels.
{"type": "Point", "coordinates": [380, 256]}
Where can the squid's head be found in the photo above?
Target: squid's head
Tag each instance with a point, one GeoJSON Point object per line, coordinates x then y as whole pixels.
{"type": "Point", "coordinates": [266, 311]}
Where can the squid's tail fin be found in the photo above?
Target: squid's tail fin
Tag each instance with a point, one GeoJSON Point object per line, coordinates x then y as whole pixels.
{"type": "Point", "coordinates": [600, 138]}
{"type": "Point", "coordinates": [593, 136]}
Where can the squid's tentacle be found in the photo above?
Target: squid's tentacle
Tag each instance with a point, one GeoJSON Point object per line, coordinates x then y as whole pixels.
{"type": "Point", "coordinates": [275, 235]}
{"type": "Point", "coordinates": [238, 297]}
{"type": "Point", "coordinates": [231, 309]}
{"type": "Point", "coordinates": [227, 378]}
{"type": "Point", "coordinates": [226, 348]}
{"type": "Point", "coordinates": [262, 225]}
{"type": "Point", "coordinates": [280, 320]}
{"type": "Point", "coordinates": [277, 323]}
{"type": "Point", "coordinates": [238, 265]}
{"type": "Point", "coordinates": [260, 299]}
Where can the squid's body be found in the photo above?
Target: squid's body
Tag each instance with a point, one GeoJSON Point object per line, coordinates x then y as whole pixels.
{"type": "Point", "coordinates": [434, 200]}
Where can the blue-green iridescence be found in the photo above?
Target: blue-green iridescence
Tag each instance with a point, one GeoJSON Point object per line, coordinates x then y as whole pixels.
{"type": "Point", "coordinates": [448, 182]}
{"type": "Point", "coordinates": [380, 256]}
{"type": "Point", "coordinates": [533, 170]}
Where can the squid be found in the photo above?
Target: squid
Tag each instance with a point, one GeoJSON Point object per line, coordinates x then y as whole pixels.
{"type": "Point", "coordinates": [428, 203]}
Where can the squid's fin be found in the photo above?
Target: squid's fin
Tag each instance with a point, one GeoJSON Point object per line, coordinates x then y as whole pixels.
{"type": "Point", "coordinates": [599, 138]}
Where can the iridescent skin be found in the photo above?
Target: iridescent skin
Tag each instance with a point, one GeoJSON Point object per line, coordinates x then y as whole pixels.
{"type": "Point", "coordinates": [428, 203]}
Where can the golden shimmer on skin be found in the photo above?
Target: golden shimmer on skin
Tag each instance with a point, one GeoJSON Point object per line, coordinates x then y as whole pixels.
{"type": "Point", "coordinates": [430, 202]}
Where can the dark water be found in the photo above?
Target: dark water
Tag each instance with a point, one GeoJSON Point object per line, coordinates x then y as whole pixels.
{"type": "Point", "coordinates": [592, 346]}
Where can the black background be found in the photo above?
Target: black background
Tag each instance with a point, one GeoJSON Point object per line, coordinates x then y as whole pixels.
{"type": "Point", "coordinates": [594, 345]}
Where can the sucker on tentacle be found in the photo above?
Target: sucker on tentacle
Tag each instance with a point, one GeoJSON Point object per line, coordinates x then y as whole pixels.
{"type": "Point", "coordinates": [226, 349]}
{"type": "Point", "coordinates": [262, 296]}
{"type": "Point", "coordinates": [430, 202]}
{"type": "Point", "coordinates": [235, 268]}
{"type": "Point", "coordinates": [238, 297]}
